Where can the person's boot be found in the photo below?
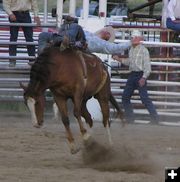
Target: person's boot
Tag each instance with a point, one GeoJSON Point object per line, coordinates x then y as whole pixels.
{"type": "Point", "coordinates": [65, 43]}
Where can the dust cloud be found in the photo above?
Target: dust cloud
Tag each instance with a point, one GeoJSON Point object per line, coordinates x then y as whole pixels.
{"type": "Point", "coordinates": [117, 158]}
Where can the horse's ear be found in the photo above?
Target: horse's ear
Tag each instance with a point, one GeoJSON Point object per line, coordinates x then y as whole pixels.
{"type": "Point", "coordinates": [24, 87]}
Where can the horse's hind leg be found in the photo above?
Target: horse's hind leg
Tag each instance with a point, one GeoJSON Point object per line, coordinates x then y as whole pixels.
{"type": "Point", "coordinates": [104, 104]}
{"type": "Point", "coordinates": [119, 111]}
{"type": "Point", "coordinates": [85, 113]}
{"type": "Point", "coordinates": [103, 100]}
{"type": "Point", "coordinates": [62, 106]}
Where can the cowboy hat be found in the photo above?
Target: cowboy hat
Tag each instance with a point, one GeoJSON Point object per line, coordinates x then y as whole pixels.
{"type": "Point", "coordinates": [108, 29]}
{"type": "Point", "coordinates": [136, 33]}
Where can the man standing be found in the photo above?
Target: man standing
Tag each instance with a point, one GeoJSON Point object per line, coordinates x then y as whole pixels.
{"type": "Point", "coordinates": [173, 15]}
{"type": "Point", "coordinates": [18, 12]}
{"type": "Point", "coordinates": [140, 67]}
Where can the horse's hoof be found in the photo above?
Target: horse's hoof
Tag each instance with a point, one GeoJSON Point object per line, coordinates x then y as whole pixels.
{"type": "Point", "coordinates": [124, 123]}
{"type": "Point", "coordinates": [86, 136]}
{"type": "Point", "coordinates": [73, 148]}
{"type": "Point", "coordinates": [37, 125]}
{"type": "Point", "coordinates": [90, 123]}
{"type": "Point", "coordinates": [75, 151]}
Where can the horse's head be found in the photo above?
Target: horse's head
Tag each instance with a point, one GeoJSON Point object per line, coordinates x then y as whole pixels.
{"type": "Point", "coordinates": [34, 92]}
{"type": "Point", "coordinates": [35, 103]}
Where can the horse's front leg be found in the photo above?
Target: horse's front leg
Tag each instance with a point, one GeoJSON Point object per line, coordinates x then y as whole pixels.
{"type": "Point", "coordinates": [62, 106]}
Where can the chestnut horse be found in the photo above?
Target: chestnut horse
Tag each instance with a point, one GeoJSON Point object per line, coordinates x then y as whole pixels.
{"type": "Point", "coordinates": [69, 74]}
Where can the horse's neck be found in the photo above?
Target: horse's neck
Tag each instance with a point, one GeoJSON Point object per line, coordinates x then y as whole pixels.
{"type": "Point", "coordinates": [36, 88]}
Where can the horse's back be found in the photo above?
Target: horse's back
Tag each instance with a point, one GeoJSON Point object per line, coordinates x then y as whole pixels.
{"type": "Point", "coordinates": [74, 69]}
{"type": "Point", "coordinates": [97, 74]}
{"type": "Point", "coordinates": [67, 64]}
{"type": "Point", "coordinates": [67, 72]}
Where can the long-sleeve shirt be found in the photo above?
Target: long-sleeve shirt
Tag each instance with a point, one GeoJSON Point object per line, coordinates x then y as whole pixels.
{"type": "Point", "coordinates": [94, 43]}
{"type": "Point", "coordinates": [139, 60]}
{"type": "Point", "coordinates": [173, 9]}
{"type": "Point", "coordinates": [98, 45]}
{"type": "Point", "coordinates": [20, 5]}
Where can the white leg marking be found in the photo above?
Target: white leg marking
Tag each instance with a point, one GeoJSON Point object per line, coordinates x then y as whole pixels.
{"type": "Point", "coordinates": [31, 105]}
{"type": "Point", "coordinates": [86, 136]}
{"type": "Point", "coordinates": [56, 112]}
{"type": "Point", "coordinates": [109, 135]}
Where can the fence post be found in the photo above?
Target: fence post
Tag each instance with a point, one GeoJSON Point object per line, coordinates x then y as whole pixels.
{"type": "Point", "coordinates": [103, 8]}
{"type": "Point", "coordinates": [45, 11]}
{"type": "Point", "coordinates": [85, 9]}
{"type": "Point", "coordinates": [72, 7]}
{"type": "Point", "coordinates": [59, 12]}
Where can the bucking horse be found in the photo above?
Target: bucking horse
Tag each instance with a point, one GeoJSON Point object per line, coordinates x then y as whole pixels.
{"type": "Point", "coordinates": [69, 74]}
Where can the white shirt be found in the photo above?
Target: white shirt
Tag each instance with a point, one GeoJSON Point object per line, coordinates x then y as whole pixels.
{"type": "Point", "coordinates": [98, 45]}
{"type": "Point", "coordinates": [139, 60]}
{"type": "Point", "coordinates": [173, 9]}
{"type": "Point", "coordinates": [20, 5]}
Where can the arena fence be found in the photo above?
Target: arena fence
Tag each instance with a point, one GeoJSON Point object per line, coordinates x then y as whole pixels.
{"type": "Point", "coordinates": [163, 84]}
{"type": "Point", "coordinates": [11, 76]}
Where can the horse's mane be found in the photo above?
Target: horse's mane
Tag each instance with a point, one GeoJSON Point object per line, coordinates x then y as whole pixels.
{"type": "Point", "coordinates": [40, 69]}
{"type": "Point", "coordinates": [40, 72]}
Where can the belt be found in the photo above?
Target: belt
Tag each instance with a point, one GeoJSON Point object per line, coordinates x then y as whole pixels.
{"type": "Point", "coordinates": [27, 11]}
{"type": "Point", "coordinates": [136, 71]}
{"type": "Point", "coordinates": [176, 18]}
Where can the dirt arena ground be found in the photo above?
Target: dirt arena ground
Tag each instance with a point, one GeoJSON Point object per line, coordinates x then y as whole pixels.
{"type": "Point", "coordinates": [140, 153]}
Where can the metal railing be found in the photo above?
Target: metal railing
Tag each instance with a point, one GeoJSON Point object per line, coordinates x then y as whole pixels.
{"type": "Point", "coordinates": [163, 89]}
{"type": "Point", "coordinates": [164, 81]}
{"type": "Point", "coordinates": [11, 76]}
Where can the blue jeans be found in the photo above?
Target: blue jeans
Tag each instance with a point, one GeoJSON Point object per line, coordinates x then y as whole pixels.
{"type": "Point", "coordinates": [43, 40]}
{"type": "Point", "coordinates": [131, 85]}
{"type": "Point", "coordinates": [22, 17]}
{"type": "Point", "coordinates": [173, 26]}
{"type": "Point", "coordinates": [47, 37]}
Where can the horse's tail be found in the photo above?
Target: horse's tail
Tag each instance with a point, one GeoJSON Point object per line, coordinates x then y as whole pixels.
{"type": "Point", "coordinates": [120, 113]}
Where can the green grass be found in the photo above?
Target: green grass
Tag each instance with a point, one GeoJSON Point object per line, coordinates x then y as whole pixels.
{"type": "Point", "coordinates": [131, 4]}
{"type": "Point", "coordinates": [52, 4]}
{"type": "Point", "coordinates": [134, 3]}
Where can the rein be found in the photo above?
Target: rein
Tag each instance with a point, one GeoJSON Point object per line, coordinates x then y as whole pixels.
{"type": "Point", "coordinates": [111, 67]}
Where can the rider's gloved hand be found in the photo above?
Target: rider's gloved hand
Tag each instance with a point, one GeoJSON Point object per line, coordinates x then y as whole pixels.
{"type": "Point", "coordinates": [78, 44]}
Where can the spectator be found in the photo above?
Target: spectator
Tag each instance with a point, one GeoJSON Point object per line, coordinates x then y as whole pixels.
{"type": "Point", "coordinates": [173, 15]}
{"type": "Point", "coordinates": [140, 67]}
{"type": "Point", "coordinates": [18, 12]}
